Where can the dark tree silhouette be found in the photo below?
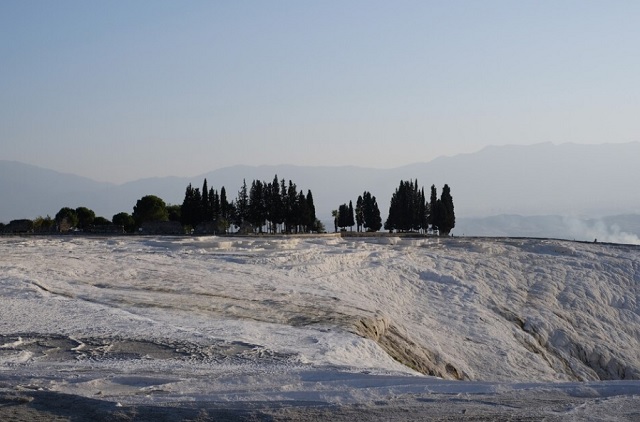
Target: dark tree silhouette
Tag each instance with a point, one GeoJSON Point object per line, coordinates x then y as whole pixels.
{"type": "Point", "coordinates": [150, 208]}
{"type": "Point", "coordinates": [66, 219]}
{"type": "Point", "coordinates": [371, 213]}
{"type": "Point", "coordinates": [446, 214]}
{"type": "Point", "coordinates": [407, 208]}
{"type": "Point", "coordinates": [125, 220]}
{"type": "Point", "coordinates": [85, 217]}
{"type": "Point", "coordinates": [359, 213]}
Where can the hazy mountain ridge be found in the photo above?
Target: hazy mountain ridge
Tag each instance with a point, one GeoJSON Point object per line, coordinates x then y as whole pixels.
{"type": "Point", "coordinates": [542, 179]}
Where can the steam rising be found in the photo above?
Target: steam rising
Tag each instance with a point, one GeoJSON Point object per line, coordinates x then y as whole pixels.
{"type": "Point", "coordinates": [598, 230]}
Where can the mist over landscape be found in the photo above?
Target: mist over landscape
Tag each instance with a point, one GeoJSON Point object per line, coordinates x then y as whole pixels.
{"type": "Point", "coordinates": [569, 191]}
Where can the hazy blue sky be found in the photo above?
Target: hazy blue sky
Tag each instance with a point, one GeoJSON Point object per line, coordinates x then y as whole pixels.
{"type": "Point", "coordinates": [119, 90]}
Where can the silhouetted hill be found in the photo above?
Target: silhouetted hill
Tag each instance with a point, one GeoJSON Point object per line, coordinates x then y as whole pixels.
{"type": "Point", "coordinates": [542, 179]}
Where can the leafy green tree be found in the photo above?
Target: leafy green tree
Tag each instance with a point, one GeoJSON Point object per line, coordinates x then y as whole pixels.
{"type": "Point", "coordinates": [125, 220]}
{"type": "Point", "coordinates": [174, 212]}
{"type": "Point", "coordinates": [43, 224]}
{"type": "Point", "coordinates": [150, 208]}
{"type": "Point", "coordinates": [66, 219]}
{"type": "Point", "coordinates": [101, 221]}
{"type": "Point", "coordinates": [85, 217]}
{"type": "Point", "coordinates": [336, 219]}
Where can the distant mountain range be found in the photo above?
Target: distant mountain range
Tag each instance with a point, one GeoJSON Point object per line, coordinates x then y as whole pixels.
{"type": "Point", "coordinates": [585, 181]}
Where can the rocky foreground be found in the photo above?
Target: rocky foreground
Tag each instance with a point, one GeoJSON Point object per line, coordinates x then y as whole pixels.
{"type": "Point", "coordinates": [324, 328]}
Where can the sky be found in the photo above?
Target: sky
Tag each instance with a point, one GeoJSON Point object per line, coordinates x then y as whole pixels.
{"type": "Point", "coordinates": [122, 90]}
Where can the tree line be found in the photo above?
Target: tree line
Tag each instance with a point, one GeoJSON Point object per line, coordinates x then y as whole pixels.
{"type": "Point", "coordinates": [272, 207]}
{"type": "Point", "coordinates": [409, 211]}
{"type": "Point", "coordinates": [366, 216]}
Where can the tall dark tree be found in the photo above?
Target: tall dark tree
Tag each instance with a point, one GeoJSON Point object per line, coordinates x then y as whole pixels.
{"type": "Point", "coordinates": [343, 216]}
{"type": "Point", "coordinates": [274, 204]}
{"type": "Point", "coordinates": [242, 205]}
{"type": "Point", "coordinates": [205, 206]}
{"type": "Point", "coordinates": [214, 200]}
{"type": "Point", "coordinates": [302, 213]}
{"type": "Point", "coordinates": [226, 211]}
{"type": "Point", "coordinates": [352, 220]}
{"type": "Point", "coordinates": [433, 208]}
{"type": "Point", "coordinates": [311, 220]}
{"type": "Point", "coordinates": [290, 201]}
{"type": "Point", "coordinates": [407, 209]}
{"type": "Point", "coordinates": [359, 213]}
{"type": "Point", "coordinates": [447, 218]}
{"type": "Point", "coordinates": [371, 213]}
{"type": "Point", "coordinates": [189, 208]}
{"type": "Point", "coordinates": [257, 205]}
{"type": "Point", "coordinates": [423, 214]}
{"type": "Point", "coordinates": [199, 210]}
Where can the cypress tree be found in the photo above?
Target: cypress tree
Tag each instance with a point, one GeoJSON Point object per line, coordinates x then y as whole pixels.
{"type": "Point", "coordinates": [257, 210]}
{"type": "Point", "coordinates": [274, 204]}
{"type": "Point", "coordinates": [199, 210]}
{"type": "Point", "coordinates": [433, 208]}
{"type": "Point", "coordinates": [302, 213]}
{"type": "Point", "coordinates": [371, 213]}
{"type": "Point", "coordinates": [343, 216]}
{"type": "Point", "coordinates": [187, 210]}
{"type": "Point", "coordinates": [242, 205]}
{"type": "Point", "coordinates": [359, 213]}
{"type": "Point", "coordinates": [214, 197]}
{"type": "Point", "coordinates": [311, 218]}
{"type": "Point", "coordinates": [448, 218]}
{"type": "Point", "coordinates": [423, 214]}
{"type": "Point", "coordinates": [225, 210]}
{"type": "Point", "coordinates": [206, 205]}
{"type": "Point", "coordinates": [351, 221]}
{"type": "Point", "coordinates": [292, 207]}
{"type": "Point", "coordinates": [408, 208]}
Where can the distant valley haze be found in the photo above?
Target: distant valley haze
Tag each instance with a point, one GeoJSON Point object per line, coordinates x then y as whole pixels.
{"type": "Point", "coordinates": [542, 190]}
